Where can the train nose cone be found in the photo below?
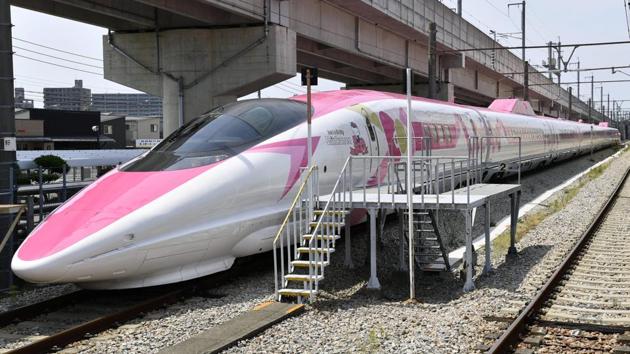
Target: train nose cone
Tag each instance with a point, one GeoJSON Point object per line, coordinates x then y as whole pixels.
{"type": "Point", "coordinates": [40, 271]}
{"type": "Point", "coordinates": [75, 231]}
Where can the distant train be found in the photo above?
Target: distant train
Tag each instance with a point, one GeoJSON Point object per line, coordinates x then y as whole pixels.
{"type": "Point", "coordinates": [218, 187]}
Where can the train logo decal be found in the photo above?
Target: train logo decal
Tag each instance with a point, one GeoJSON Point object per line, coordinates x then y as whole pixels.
{"type": "Point", "coordinates": [359, 147]}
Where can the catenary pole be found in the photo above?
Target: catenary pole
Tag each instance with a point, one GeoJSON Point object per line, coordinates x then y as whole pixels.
{"type": "Point", "coordinates": [578, 79]}
{"type": "Point", "coordinates": [570, 103]}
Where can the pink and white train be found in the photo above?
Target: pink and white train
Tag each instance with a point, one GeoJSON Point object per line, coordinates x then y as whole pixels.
{"type": "Point", "coordinates": [218, 188]}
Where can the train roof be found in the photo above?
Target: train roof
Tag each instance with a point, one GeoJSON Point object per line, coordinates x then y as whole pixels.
{"type": "Point", "coordinates": [328, 101]}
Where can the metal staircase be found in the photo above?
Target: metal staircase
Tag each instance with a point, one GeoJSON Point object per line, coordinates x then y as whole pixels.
{"type": "Point", "coordinates": [430, 254]}
{"type": "Point", "coordinates": [308, 236]}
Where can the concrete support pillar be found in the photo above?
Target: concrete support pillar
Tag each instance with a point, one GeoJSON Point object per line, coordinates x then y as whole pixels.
{"type": "Point", "coordinates": [171, 108]}
{"type": "Point", "coordinates": [195, 70]}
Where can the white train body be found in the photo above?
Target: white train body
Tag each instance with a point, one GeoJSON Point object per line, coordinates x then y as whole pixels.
{"type": "Point", "coordinates": [219, 188]}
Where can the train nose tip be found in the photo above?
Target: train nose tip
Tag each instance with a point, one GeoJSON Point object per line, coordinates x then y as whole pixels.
{"type": "Point", "coordinates": [38, 271]}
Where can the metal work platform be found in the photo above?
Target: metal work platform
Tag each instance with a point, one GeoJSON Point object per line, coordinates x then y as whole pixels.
{"type": "Point", "coordinates": [458, 199]}
{"type": "Point", "coordinates": [379, 184]}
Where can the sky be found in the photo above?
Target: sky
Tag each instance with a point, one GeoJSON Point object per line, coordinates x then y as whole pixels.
{"type": "Point", "coordinates": [571, 21]}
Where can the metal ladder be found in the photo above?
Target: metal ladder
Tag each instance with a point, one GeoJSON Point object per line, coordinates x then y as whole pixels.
{"type": "Point", "coordinates": [430, 253]}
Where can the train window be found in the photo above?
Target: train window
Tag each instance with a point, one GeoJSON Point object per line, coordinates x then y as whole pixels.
{"type": "Point", "coordinates": [447, 133]}
{"type": "Point", "coordinates": [438, 138]}
{"type": "Point", "coordinates": [221, 133]}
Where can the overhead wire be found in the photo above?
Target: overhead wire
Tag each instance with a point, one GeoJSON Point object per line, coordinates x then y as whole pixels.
{"type": "Point", "coordinates": [59, 65]}
{"type": "Point", "coordinates": [55, 49]}
{"type": "Point", "coordinates": [56, 57]}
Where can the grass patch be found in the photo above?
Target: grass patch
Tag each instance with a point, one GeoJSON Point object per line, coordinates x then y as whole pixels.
{"type": "Point", "coordinates": [373, 344]}
{"type": "Point", "coordinates": [531, 221]}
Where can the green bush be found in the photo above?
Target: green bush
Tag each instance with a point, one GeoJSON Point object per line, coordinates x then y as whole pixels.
{"type": "Point", "coordinates": [33, 177]}
{"type": "Point", "coordinates": [51, 162]}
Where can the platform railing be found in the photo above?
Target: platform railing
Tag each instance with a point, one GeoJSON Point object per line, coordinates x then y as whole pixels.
{"type": "Point", "coordinates": [294, 225]}
{"type": "Point", "coordinates": [432, 175]}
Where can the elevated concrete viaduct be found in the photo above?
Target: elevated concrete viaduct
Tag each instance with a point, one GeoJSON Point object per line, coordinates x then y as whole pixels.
{"type": "Point", "coordinates": [197, 54]}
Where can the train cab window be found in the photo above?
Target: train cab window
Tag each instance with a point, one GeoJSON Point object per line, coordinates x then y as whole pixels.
{"type": "Point", "coordinates": [437, 134]}
{"type": "Point", "coordinates": [221, 133]}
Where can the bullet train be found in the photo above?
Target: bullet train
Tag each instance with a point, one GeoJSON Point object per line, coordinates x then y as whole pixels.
{"type": "Point", "coordinates": [218, 187]}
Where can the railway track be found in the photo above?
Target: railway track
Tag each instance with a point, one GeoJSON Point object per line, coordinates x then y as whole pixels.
{"type": "Point", "coordinates": [584, 307]}
{"type": "Point", "coordinates": [54, 323]}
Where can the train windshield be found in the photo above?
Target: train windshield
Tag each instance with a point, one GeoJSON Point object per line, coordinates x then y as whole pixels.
{"type": "Point", "coordinates": [221, 133]}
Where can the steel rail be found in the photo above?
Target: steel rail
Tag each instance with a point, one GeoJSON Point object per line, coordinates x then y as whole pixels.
{"type": "Point", "coordinates": [78, 332]}
{"type": "Point", "coordinates": [510, 337]}
{"type": "Point", "coordinates": [27, 312]}
{"type": "Point", "coordinates": [170, 295]}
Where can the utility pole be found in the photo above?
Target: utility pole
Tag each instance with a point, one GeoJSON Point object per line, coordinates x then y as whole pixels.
{"type": "Point", "coordinates": [526, 82]}
{"type": "Point", "coordinates": [578, 79]}
{"type": "Point", "coordinates": [432, 59]}
{"type": "Point", "coordinates": [608, 106]}
{"type": "Point", "coordinates": [7, 134]}
{"type": "Point", "coordinates": [590, 110]}
{"type": "Point", "coordinates": [601, 99]}
{"type": "Point", "coordinates": [570, 103]}
{"type": "Point", "coordinates": [459, 8]}
{"type": "Point", "coordinates": [550, 60]}
{"type": "Point", "coordinates": [559, 46]}
{"type": "Point", "coordinates": [593, 92]}
{"type": "Point", "coordinates": [525, 64]}
{"type": "Point", "coordinates": [592, 105]}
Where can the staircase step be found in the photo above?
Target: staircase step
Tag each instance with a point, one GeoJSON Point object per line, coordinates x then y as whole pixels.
{"type": "Point", "coordinates": [297, 292]}
{"type": "Point", "coordinates": [331, 212]}
{"type": "Point", "coordinates": [305, 264]}
{"type": "Point", "coordinates": [315, 250]}
{"type": "Point", "coordinates": [433, 267]}
{"type": "Point", "coordinates": [303, 277]}
{"type": "Point", "coordinates": [327, 224]}
{"type": "Point", "coordinates": [321, 237]}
